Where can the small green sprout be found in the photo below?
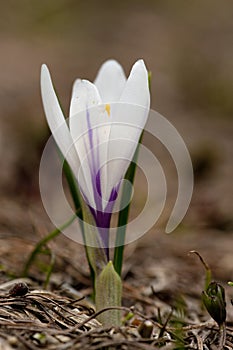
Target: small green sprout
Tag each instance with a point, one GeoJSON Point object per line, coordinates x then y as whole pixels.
{"type": "Point", "coordinates": [109, 286]}
{"type": "Point", "coordinates": [214, 301]}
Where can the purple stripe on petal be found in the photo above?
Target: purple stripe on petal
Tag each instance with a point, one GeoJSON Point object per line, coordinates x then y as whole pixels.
{"type": "Point", "coordinates": [90, 131]}
{"type": "Point", "coordinates": [93, 164]}
{"type": "Point", "coordinates": [113, 195]}
{"type": "Point", "coordinates": [98, 183]}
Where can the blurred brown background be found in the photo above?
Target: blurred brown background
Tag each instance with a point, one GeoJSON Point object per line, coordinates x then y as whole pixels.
{"type": "Point", "coordinates": [186, 44]}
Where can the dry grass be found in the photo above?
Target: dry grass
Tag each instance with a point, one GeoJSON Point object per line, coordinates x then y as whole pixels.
{"type": "Point", "coordinates": [40, 319]}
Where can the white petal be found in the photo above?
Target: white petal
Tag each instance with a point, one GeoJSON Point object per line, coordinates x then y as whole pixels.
{"type": "Point", "coordinates": [129, 118]}
{"type": "Point", "coordinates": [89, 127]}
{"type": "Point", "coordinates": [52, 108]}
{"type": "Point", "coordinates": [129, 121]}
{"type": "Point", "coordinates": [83, 117]}
{"type": "Point", "coordinates": [84, 95]}
{"type": "Point", "coordinates": [136, 90]}
{"type": "Point", "coordinates": [56, 120]}
{"type": "Point", "coordinates": [110, 81]}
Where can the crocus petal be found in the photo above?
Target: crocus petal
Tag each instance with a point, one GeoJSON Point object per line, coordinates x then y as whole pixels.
{"type": "Point", "coordinates": [89, 127]}
{"type": "Point", "coordinates": [129, 118]}
{"type": "Point", "coordinates": [56, 120]}
{"type": "Point", "coordinates": [110, 81]}
{"type": "Point", "coordinates": [84, 95]}
{"type": "Point", "coordinates": [136, 89]}
{"type": "Point", "coordinates": [83, 118]}
{"type": "Point", "coordinates": [123, 140]}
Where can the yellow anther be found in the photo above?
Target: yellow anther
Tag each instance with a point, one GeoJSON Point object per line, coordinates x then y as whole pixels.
{"type": "Point", "coordinates": [107, 108]}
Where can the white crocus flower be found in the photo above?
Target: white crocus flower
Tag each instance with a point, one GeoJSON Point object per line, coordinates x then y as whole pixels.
{"type": "Point", "coordinates": [105, 123]}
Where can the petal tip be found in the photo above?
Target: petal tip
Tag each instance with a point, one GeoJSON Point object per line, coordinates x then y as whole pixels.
{"type": "Point", "coordinates": [108, 66]}
{"type": "Point", "coordinates": [44, 75]}
{"type": "Point", "coordinates": [44, 68]}
{"type": "Point", "coordinates": [111, 62]}
{"type": "Point", "coordinates": [137, 87]}
{"type": "Point", "coordinates": [140, 64]}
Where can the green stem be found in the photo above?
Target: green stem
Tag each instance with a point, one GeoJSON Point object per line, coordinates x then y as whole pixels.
{"type": "Point", "coordinates": [77, 203]}
{"type": "Point", "coordinates": [222, 330]}
{"type": "Point", "coordinates": [49, 270]}
{"type": "Point", "coordinates": [208, 275]}
{"type": "Point", "coordinates": [123, 216]}
{"type": "Point", "coordinates": [72, 187]}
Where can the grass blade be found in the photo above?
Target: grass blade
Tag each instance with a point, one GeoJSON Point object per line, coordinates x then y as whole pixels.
{"type": "Point", "coordinates": [43, 242]}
